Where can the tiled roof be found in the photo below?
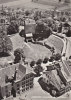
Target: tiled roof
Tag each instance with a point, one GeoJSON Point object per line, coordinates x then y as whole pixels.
{"type": "Point", "coordinates": [10, 70]}
{"type": "Point", "coordinates": [67, 68]}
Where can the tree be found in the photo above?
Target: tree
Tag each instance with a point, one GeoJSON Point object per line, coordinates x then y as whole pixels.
{"type": "Point", "coordinates": [13, 28]}
{"type": "Point", "coordinates": [40, 26]}
{"type": "Point", "coordinates": [52, 50]}
{"type": "Point", "coordinates": [5, 43]}
{"type": "Point", "coordinates": [18, 53]}
{"type": "Point", "coordinates": [32, 63]}
{"type": "Point", "coordinates": [57, 56]}
{"type": "Point", "coordinates": [37, 15]}
{"type": "Point", "coordinates": [42, 30]}
{"type": "Point", "coordinates": [27, 12]}
{"type": "Point", "coordinates": [38, 69]}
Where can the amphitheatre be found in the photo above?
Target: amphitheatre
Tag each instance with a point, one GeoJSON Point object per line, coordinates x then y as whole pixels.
{"type": "Point", "coordinates": [42, 48]}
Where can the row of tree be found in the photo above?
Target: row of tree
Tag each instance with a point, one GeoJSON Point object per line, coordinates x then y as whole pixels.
{"type": "Point", "coordinates": [5, 43]}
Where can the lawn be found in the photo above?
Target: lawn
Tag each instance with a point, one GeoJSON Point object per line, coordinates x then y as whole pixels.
{"type": "Point", "coordinates": [47, 2]}
{"type": "Point", "coordinates": [6, 1]}
{"type": "Point", "coordinates": [36, 51]}
{"type": "Point", "coordinates": [32, 51]}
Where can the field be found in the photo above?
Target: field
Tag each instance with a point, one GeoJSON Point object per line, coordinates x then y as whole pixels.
{"type": "Point", "coordinates": [24, 3]}
{"type": "Point", "coordinates": [5, 1]}
{"type": "Point", "coordinates": [36, 51]}
{"type": "Point", "coordinates": [47, 2]}
{"type": "Point", "coordinates": [32, 51]}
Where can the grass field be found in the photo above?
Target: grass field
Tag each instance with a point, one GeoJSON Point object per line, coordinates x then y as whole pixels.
{"type": "Point", "coordinates": [47, 2]}
{"type": "Point", "coordinates": [5, 1]}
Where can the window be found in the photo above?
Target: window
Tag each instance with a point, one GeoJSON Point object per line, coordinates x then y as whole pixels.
{"type": "Point", "coordinates": [23, 86]}
{"type": "Point", "coordinates": [18, 85]}
{"type": "Point", "coordinates": [31, 75]}
{"type": "Point", "coordinates": [27, 76]}
{"type": "Point", "coordinates": [18, 92]}
{"type": "Point", "coordinates": [8, 95]}
{"type": "Point", "coordinates": [6, 89]}
{"type": "Point", "coordinates": [31, 83]}
{"type": "Point", "coordinates": [27, 88]}
{"type": "Point", "coordinates": [23, 83]}
{"type": "Point", "coordinates": [24, 78]}
{"type": "Point", "coordinates": [23, 90]}
{"type": "Point", "coordinates": [31, 86]}
{"type": "Point", "coordinates": [27, 84]}
{"type": "Point", "coordinates": [27, 81]}
{"type": "Point", "coordinates": [31, 79]}
{"type": "Point", "coordinates": [18, 88]}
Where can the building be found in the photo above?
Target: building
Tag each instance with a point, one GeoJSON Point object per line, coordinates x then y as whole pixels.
{"type": "Point", "coordinates": [29, 28]}
{"type": "Point", "coordinates": [57, 78]}
{"type": "Point", "coordinates": [23, 82]}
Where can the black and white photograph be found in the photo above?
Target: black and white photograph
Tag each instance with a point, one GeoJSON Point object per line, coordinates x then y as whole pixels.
{"type": "Point", "coordinates": [35, 49]}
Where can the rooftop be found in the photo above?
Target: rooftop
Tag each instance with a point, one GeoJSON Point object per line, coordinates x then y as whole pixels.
{"type": "Point", "coordinates": [22, 70]}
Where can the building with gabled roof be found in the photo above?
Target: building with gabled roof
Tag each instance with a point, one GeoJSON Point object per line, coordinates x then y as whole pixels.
{"type": "Point", "coordinates": [23, 82]}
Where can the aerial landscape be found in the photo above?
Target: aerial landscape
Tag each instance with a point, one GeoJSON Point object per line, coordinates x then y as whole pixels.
{"type": "Point", "coordinates": [35, 49]}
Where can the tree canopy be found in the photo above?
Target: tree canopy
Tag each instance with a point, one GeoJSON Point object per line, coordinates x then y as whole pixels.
{"type": "Point", "coordinates": [5, 43]}
{"type": "Point", "coordinates": [19, 53]}
{"type": "Point", "coordinates": [13, 28]}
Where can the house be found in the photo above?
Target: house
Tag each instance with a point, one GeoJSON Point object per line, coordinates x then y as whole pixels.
{"type": "Point", "coordinates": [23, 82]}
